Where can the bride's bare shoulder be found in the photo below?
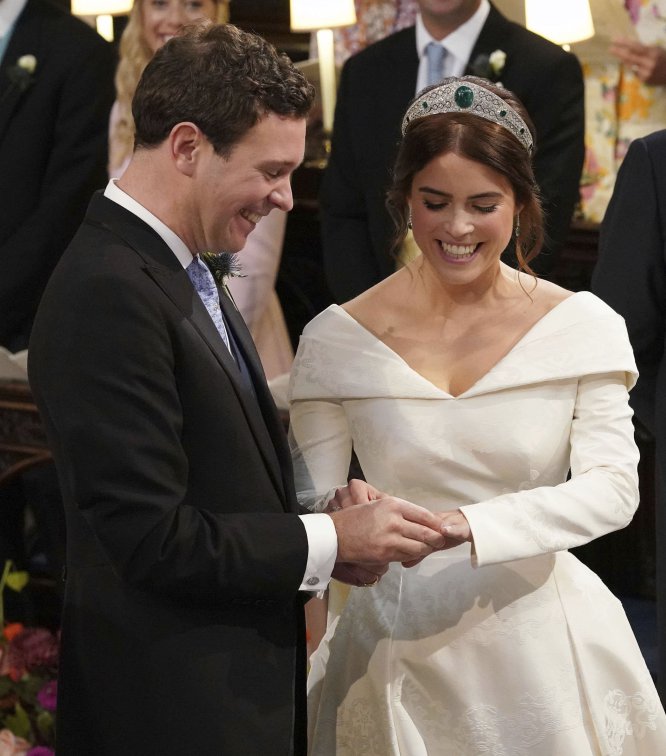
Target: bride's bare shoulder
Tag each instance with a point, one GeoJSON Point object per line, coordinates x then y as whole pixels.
{"type": "Point", "coordinates": [545, 293]}
{"type": "Point", "coordinates": [372, 306]}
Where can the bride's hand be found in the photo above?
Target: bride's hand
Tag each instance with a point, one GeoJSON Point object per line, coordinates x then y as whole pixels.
{"type": "Point", "coordinates": [456, 528]}
{"type": "Point", "coordinates": [356, 492]}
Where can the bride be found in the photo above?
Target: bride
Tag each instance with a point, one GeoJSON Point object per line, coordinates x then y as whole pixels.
{"type": "Point", "coordinates": [473, 389]}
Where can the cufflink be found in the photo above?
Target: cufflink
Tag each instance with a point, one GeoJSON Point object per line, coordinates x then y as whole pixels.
{"type": "Point", "coordinates": [312, 581]}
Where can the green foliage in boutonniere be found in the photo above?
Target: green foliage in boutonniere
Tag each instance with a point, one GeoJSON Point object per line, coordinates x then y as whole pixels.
{"type": "Point", "coordinates": [22, 73]}
{"type": "Point", "coordinates": [222, 265]}
{"type": "Point", "coordinates": [489, 66]}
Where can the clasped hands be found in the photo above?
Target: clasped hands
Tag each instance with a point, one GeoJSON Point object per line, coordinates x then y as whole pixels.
{"type": "Point", "coordinates": [374, 529]}
{"type": "Point", "coordinates": [648, 62]}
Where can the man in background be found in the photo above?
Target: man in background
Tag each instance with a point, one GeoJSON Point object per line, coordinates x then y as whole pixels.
{"type": "Point", "coordinates": [631, 276]}
{"type": "Point", "coordinates": [56, 91]}
{"type": "Point", "coordinates": [375, 88]}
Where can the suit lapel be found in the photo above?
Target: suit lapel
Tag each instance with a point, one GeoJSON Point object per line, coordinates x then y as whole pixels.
{"type": "Point", "coordinates": [494, 35]}
{"type": "Point", "coordinates": [263, 415]}
{"type": "Point", "coordinates": [400, 79]}
{"type": "Point", "coordinates": [26, 39]}
{"type": "Point", "coordinates": [178, 288]}
{"type": "Point", "coordinates": [165, 270]}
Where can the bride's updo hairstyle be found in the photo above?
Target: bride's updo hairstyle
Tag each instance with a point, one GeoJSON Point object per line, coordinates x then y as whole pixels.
{"type": "Point", "coordinates": [480, 121]}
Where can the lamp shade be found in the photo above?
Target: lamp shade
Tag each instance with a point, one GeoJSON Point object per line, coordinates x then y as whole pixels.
{"type": "Point", "coordinates": [101, 7]}
{"type": "Point", "coordinates": [309, 15]}
{"type": "Point", "coordinates": [563, 22]}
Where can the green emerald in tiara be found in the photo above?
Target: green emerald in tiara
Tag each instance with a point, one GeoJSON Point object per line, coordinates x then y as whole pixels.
{"type": "Point", "coordinates": [464, 97]}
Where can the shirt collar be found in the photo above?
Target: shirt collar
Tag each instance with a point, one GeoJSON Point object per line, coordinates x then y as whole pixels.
{"type": "Point", "coordinates": [10, 10]}
{"type": "Point", "coordinates": [461, 41]}
{"type": "Point", "coordinates": [172, 240]}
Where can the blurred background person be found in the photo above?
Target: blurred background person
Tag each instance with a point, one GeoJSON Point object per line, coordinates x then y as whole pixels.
{"type": "Point", "coordinates": [631, 276]}
{"type": "Point", "coordinates": [56, 90]}
{"type": "Point", "coordinates": [624, 92]}
{"type": "Point", "coordinates": [151, 23]}
{"type": "Point", "coordinates": [375, 87]}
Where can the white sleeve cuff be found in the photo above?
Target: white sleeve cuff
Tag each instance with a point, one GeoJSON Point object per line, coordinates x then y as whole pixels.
{"type": "Point", "coordinates": [322, 551]}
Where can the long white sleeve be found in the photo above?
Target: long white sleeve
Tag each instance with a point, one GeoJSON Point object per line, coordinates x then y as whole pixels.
{"type": "Point", "coordinates": [601, 495]}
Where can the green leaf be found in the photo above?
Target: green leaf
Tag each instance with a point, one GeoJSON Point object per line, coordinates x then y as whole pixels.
{"type": "Point", "coordinates": [6, 686]}
{"type": "Point", "coordinates": [17, 580]}
{"type": "Point", "coordinates": [45, 725]}
{"type": "Point", "coordinates": [19, 722]}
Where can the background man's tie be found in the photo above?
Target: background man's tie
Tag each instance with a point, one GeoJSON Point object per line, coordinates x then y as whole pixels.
{"type": "Point", "coordinates": [436, 54]}
{"type": "Point", "coordinates": [204, 283]}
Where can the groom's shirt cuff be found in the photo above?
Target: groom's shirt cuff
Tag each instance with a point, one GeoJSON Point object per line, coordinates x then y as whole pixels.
{"type": "Point", "coordinates": [322, 551]}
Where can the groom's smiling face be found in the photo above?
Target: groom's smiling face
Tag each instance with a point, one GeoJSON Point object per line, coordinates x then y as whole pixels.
{"type": "Point", "coordinates": [232, 193]}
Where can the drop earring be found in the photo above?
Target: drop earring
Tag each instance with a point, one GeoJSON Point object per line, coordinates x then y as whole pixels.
{"type": "Point", "coordinates": [516, 230]}
{"type": "Point", "coordinates": [409, 219]}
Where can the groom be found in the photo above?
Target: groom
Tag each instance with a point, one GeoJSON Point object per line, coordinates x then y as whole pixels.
{"type": "Point", "coordinates": [187, 556]}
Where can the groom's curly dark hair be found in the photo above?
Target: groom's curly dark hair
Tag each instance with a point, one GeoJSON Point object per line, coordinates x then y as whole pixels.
{"type": "Point", "coordinates": [220, 78]}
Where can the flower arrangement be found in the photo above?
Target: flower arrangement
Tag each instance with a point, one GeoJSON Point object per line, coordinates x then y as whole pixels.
{"type": "Point", "coordinates": [489, 66]}
{"type": "Point", "coordinates": [28, 681]}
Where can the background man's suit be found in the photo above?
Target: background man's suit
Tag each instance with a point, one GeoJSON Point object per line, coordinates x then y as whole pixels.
{"type": "Point", "coordinates": [53, 152]}
{"type": "Point", "coordinates": [375, 88]}
{"type": "Point", "coordinates": [631, 276]}
{"type": "Point", "coordinates": [189, 478]}
{"type": "Point", "coordinates": [53, 155]}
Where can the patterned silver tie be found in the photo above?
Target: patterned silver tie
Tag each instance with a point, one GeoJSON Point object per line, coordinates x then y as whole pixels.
{"type": "Point", "coordinates": [436, 54]}
{"type": "Point", "coordinates": [204, 283]}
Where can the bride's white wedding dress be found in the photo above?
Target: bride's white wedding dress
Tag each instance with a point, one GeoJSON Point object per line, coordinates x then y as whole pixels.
{"type": "Point", "coordinates": [514, 650]}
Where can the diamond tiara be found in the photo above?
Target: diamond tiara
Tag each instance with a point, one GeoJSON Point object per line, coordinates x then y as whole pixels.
{"type": "Point", "coordinates": [458, 97]}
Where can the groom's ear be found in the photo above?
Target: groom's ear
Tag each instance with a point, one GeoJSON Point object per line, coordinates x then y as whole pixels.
{"type": "Point", "coordinates": [186, 144]}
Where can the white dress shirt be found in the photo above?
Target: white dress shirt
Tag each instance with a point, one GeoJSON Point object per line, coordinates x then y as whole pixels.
{"type": "Point", "coordinates": [319, 528]}
{"type": "Point", "coordinates": [458, 45]}
{"type": "Point", "coordinates": [10, 10]}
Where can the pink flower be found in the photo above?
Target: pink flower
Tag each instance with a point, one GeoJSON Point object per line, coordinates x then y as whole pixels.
{"type": "Point", "coordinates": [10, 745]}
{"type": "Point", "coordinates": [33, 649]}
{"type": "Point", "coordinates": [634, 9]}
{"type": "Point", "coordinates": [48, 695]}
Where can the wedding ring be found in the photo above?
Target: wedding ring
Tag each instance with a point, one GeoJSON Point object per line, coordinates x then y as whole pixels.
{"type": "Point", "coordinates": [372, 582]}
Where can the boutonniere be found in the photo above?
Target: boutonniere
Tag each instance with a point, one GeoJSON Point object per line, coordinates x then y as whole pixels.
{"type": "Point", "coordinates": [222, 265]}
{"type": "Point", "coordinates": [489, 66]}
{"type": "Point", "coordinates": [22, 72]}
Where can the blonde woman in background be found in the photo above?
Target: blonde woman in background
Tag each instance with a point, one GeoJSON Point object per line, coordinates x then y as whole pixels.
{"type": "Point", "coordinates": [151, 24]}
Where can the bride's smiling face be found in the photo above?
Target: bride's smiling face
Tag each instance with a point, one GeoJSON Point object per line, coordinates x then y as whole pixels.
{"type": "Point", "coordinates": [463, 216]}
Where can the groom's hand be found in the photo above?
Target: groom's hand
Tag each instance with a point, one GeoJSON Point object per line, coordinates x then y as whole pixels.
{"type": "Point", "coordinates": [386, 530]}
{"type": "Point", "coordinates": [360, 575]}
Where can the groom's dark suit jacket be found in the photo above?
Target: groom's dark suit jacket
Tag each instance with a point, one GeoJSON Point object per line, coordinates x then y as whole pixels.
{"type": "Point", "coordinates": [376, 86]}
{"type": "Point", "coordinates": [183, 625]}
{"type": "Point", "coordinates": [53, 152]}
